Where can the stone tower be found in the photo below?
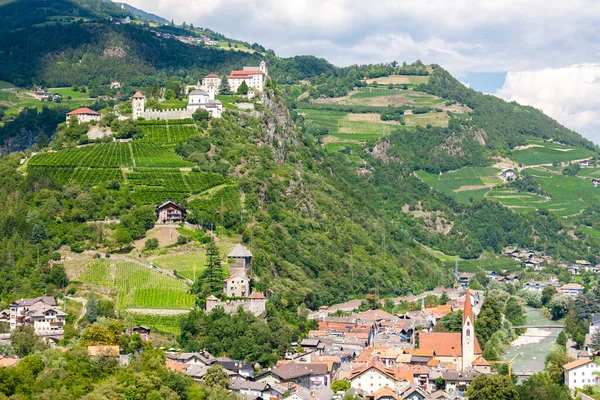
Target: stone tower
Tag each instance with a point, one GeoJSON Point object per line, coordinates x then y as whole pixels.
{"type": "Point", "coordinates": [138, 105]}
{"type": "Point", "coordinates": [242, 261]}
{"type": "Point", "coordinates": [263, 67]}
{"type": "Point", "coordinates": [468, 334]}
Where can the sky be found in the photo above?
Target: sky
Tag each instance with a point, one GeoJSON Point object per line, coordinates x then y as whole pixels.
{"type": "Point", "coordinates": [544, 53]}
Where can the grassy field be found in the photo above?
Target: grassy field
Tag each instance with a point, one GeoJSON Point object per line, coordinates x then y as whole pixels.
{"type": "Point", "coordinates": [400, 79]}
{"type": "Point", "coordinates": [138, 286]}
{"type": "Point", "coordinates": [364, 93]}
{"type": "Point", "coordinates": [463, 184]}
{"type": "Point", "coordinates": [6, 85]}
{"type": "Point", "coordinates": [487, 262]}
{"type": "Point", "coordinates": [68, 92]}
{"type": "Point", "coordinates": [432, 118]}
{"type": "Point", "coordinates": [163, 324]}
{"type": "Point", "coordinates": [170, 104]}
{"type": "Point", "coordinates": [543, 152]}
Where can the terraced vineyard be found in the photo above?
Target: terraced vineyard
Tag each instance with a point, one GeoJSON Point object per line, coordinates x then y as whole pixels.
{"type": "Point", "coordinates": [463, 184]}
{"type": "Point", "coordinates": [167, 133]}
{"type": "Point", "coordinates": [138, 286]}
{"type": "Point", "coordinates": [152, 172]}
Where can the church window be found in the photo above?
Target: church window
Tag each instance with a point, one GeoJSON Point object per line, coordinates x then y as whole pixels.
{"type": "Point", "coordinates": [468, 332]}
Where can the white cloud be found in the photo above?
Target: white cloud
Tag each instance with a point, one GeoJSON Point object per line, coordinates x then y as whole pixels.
{"type": "Point", "coordinates": [545, 36]}
{"type": "Point", "coordinates": [569, 95]}
{"type": "Point", "coordinates": [462, 35]}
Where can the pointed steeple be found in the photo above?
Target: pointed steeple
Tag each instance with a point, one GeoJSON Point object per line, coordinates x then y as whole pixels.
{"type": "Point", "coordinates": [468, 311]}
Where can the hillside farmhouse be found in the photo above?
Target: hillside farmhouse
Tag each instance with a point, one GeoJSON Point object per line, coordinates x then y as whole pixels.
{"type": "Point", "coordinates": [84, 115]}
{"type": "Point", "coordinates": [170, 212]}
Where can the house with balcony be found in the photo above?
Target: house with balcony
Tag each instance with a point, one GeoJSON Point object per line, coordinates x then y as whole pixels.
{"type": "Point", "coordinates": [46, 317]}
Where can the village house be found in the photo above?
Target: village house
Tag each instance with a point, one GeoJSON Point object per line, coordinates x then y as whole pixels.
{"type": "Point", "coordinates": [255, 390]}
{"type": "Point", "coordinates": [508, 174]}
{"type": "Point", "coordinates": [581, 373]}
{"type": "Point", "coordinates": [83, 115]}
{"type": "Point", "coordinates": [46, 317]}
{"type": "Point", "coordinates": [375, 376]}
{"type": "Point", "coordinates": [538, 286]}
{"type": "Point", "coordinates": [464, 279]}
{"type": "Point", "coordinates": [572, 289]}
{"type": "Point", "coordinates": [170, 212]}
{"type": "Point", "coordinates": [595, 182]}
{"type": "Point", "coordinates": [143, 331]}
{"type": "Point", "coordinates": [307, 375]}
{"type": "Point", "coordinates": [41, 95]}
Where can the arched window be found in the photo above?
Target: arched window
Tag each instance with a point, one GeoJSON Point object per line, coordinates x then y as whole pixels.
{"type": "Point", "coordinates": [468, 332]}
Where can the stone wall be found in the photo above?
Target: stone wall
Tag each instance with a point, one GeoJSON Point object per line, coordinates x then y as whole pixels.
{"type": "Point", "coordinates": [253, 306]}
{"type": "Point", "coordinates": [179, 113]}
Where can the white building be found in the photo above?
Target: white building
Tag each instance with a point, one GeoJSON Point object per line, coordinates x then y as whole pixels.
{"type": "Point", "coordinates": [84, 115]}
{"type": "Point", "coordinates": [42, 312]}
{"type": "Point", "coordinates": [595, 325]}
{"type": "Point", "coordinates": [370, 379]}
{"type": "Point", "coordinates": [236, 286]}
{"type": "Point", "coordinates": [580, 373]}
{"type": "Point", "coordinates": [255, 78]}
{"type": "Point", "coordinates": [197, 98]}
{"type": "Point", "coordinates": [572, 289]}
{"type": "Point", "coordinates": [200, 98]}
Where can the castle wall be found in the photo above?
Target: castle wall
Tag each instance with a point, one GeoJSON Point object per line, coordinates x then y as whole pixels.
{"type": "Point", "coordinates": [180, 113]}
{"type": "Point", "coordinates": [253, 306]}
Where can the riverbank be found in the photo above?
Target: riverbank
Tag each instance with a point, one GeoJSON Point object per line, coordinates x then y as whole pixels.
{"type": "Point", "coordinates": [531, 336]}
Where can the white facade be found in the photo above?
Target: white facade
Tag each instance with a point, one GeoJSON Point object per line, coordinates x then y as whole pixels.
{"type": "Point", "coordinates": [582, 375]}
{"type": "Point", "coordinates": [84, 115]}
{"type": "Point", "coordinates": [372, 380]}
{"type": "Point", "coordinates": [42, 313]}
{"type": "Point", "coordinates": [236, 286]}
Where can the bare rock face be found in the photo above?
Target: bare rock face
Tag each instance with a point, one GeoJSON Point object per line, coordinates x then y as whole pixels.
{"type": "Point", "coordinates": [116, 51]}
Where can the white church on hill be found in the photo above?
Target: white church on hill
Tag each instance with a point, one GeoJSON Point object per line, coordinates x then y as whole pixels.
{"type": "Point", "coordinates": [197, 98]}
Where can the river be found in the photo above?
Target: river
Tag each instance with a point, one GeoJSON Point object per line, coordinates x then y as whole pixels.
{"type": "Point", "coordinates": [532, 346]}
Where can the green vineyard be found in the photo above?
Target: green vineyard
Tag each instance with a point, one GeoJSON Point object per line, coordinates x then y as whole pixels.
{"type": "Point", "coordinates": [138, 286]}
{"type": "Point", "coordinates": [152, 172]}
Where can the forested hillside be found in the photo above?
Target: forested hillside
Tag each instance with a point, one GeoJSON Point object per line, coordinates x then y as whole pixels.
{"type": "Point", "coordinates": [330, 212]}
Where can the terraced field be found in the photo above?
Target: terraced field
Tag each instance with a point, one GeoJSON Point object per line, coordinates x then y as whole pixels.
{"type": "Point", "coordinates": [153, 172]}
{"type": "Point", "coordinates": [138, 286]}
{"type": "Point", "coordinates": [463, 184]}
{"type": "Point", "coordinates": [540, 152]}
{"type": "Point", "coordinates": [167, 133]}
{"type": "Point", "coordinates": [188, 265]}
{"type": "Point", "coordinates": [567, 195]}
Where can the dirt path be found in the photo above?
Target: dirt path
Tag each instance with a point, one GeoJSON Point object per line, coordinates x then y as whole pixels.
{"type": "Point", "coordinates": [83, 309]}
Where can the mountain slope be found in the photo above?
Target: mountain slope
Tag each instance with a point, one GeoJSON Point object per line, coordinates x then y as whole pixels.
{"type": "Point", "coordinates": [143, 14]}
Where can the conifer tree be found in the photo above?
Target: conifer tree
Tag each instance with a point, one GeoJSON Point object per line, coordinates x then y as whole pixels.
{"type": "Point", "coordinates": [243, 89]}
{"type": "Point", "coordinates": [92, 309]}
{"type": "Point", "coordinates": [224, 87]}
{"type": "Point", "coordinates": [211, 280]}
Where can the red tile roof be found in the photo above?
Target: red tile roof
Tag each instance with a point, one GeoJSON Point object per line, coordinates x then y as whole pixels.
{"type": "Point", "coordinates": [212, 76]}
{"type": "Point", "coordinates": [444, 344]}
{"type": "Point", "coordinates": [257, 295]}
{"type": "Point", "coordinates": [138, 95]}
{"type": "Point", "coordinates": [83, 111]}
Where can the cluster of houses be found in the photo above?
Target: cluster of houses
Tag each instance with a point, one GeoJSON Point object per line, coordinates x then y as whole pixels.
{"type": "Point", "coordinates": [188, 39]}
{"type": "Point", "coordinates": [42, 313]}
{"type": "Point", "coordinates": [358, 349]}
{"type": "Point", "coordinates": [535, 262]}
{"type": "Point", "coordinates": [43, 95]}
